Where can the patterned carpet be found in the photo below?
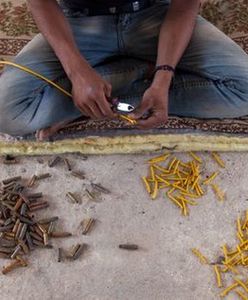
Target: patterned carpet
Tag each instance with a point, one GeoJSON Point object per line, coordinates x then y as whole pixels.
{"type": "Point", "coordinates": [17, 28]}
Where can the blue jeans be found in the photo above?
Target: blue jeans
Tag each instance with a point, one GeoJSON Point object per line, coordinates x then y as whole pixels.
{"type": "Point", "coordinates": [211, 80]}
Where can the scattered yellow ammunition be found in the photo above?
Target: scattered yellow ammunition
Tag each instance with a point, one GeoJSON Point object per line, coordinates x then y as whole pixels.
{"type": "Point", "coordinates": [174, 200]}
{"type": "Point", "coordinates": [242, 284]}
{"type": "Point", "coordinates": [155, 190]}
{"type": "Point", "coordinates": [196, 157]}
{"type": "Point", "coordinates": [229, 289]}
{"type": "Point", "coordinates": [239, 228]}
{"type": "Point", "coordinates": [201, 257]}
{"type": "Point", "coordinates": [147, 185]}
{"type": "Point", "coordinates": [241, 295]}
{"type": "Point", "coordinates": [218, 276]}
{"type": "Point", "coordinates": [211, 178]}
{"type": "Point", "coordinates": [218, 192]}
{"type": "Point", "coordinates": [217, 158]}
{"type": "Point", "coordinates": [126, 118]}
{"type": "Point", "coordinates": [159, 158]}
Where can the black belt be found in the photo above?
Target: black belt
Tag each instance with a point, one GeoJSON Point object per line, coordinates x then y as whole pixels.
{"type": "Point", "coordinates": [130, 7]}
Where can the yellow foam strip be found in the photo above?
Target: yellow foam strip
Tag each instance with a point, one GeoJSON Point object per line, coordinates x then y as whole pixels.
{"type": "Point", "coordinates": [129, 144]}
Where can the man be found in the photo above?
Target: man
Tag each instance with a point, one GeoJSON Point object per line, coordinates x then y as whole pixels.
{"type": "Point", "coordinates": [158, 55]}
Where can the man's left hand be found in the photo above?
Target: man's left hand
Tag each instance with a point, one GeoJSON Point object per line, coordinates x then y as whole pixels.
{"type": "Point", "coordinates": [155, 104]}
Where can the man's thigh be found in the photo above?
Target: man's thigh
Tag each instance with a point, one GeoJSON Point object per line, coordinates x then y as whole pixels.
{"type": "Point", "coordinates": [210, 52]}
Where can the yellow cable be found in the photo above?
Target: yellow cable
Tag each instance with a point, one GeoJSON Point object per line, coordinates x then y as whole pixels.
{"type": "Point", "coordinates": [27, 70]}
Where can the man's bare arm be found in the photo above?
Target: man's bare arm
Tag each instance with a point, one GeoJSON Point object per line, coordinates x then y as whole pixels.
{"type": "Point", "coordinates": [175, 34]}
{"type": "Point", "coordinates": [89, 89]}
{"type": "Point", "coordinates": [55, 28]}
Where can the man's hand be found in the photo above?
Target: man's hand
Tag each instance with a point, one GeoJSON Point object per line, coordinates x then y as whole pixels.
{"type": "Point", "coordinates": [154, 102]}
{"type": "Point", "coordinates": [90, 92]}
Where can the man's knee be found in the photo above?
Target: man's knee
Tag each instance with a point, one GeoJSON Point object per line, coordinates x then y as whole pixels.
{"type": "Point", "coordinates": [9, 97]}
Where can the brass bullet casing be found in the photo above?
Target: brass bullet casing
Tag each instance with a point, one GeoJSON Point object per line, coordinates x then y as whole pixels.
{"type": "Point", "coordinates": [43, 176]}
{"type": "Point", "coordinates": [100, 188]}
{"type": "Point", "coordinates": [90, 195]}
{"type": "Point", "coordinates": [74, 250]}
{"type": "Point", "coordinates": [129, 246]}
{"type": "Point", "coordinates": [60, 234]}
{"type": "Point", "coordinates": [42, 228]}
{"type": "Point", "coordinates": [16, 251]}
{"type": "Point", "coordinates": [10, 180]}
{"type": "Point", "coordinates": [32, 181]}
{"type": "Point", "coordinates": [18, 204]}
{"type": "Point", "coordinates": [72, 197]}
{"type": "Point", "coordinates": [60, 254]}
{"type": "Point", "coordinates": [8, 221]}
{"type": "Point", "coordinates": [7, 244]}
{"type": "Point", "coordinates": [29, 241]}
{"type": "Point", "coordinates": [87, 225]}
{"type": "Point", "coordinates": [14, 230]}
{"type": "Point", "coordinates": [26, 220]}
{"type": "Point", "coordinates": [45, 239]}
{"type": "Point", "coordinates": [51, 228]}
{"type": "Point", "coordinates": [77, 174]}
{"type": "Point", "coordinates": [54, 161]}
{"type": "Point", "coordinates": [24, 209]}
{"type": "Point", "coordinates": [22, 261]}
{"type": "Point", "coordinates": [23, 246]}
{"type": "Point", "coordinates": [18, 230]}
{"type": "Point", "coordinates": [6, 250]}
{"type": "Point", "coordinates": [23, 232]}
{"type": "Point", "coordinates": [36, 236]}
{"type": "Point", "coordinates": [79, 252]}
{"type": "Point", "coordinates": [25, 198]}
{"type": "Point", "coordinates": [38, 231]}
{"type": "Point", "coordinates": [35, 195]}
{"type": "Point", "coordinates": [12, 266]}
{"type": "Point", "coordinates": [38, 206]}
{"type": "Point", "coordinates": [67, 164]}
{"type": "Point", "coordinates": [48, 220]}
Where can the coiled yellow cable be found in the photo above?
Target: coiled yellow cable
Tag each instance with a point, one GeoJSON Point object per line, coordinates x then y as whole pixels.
{"type": "Point", "coordinates": [58, 87]}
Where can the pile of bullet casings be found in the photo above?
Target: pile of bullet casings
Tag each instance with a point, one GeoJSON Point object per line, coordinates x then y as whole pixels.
{"type": "Point", "coordinates": [20, 232]}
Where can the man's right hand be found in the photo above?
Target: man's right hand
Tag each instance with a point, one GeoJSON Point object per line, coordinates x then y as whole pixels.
{"type": "Point", "coordinates": [90, 92]}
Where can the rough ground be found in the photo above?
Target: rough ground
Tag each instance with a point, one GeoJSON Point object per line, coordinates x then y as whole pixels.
{"type": "Point", "coordinates": [163, 268]}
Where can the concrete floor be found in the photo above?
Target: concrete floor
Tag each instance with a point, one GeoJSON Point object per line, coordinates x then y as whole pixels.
{"type": "Point", "coordinates": [164, 267]}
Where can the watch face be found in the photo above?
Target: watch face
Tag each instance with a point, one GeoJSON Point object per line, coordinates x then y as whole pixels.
{"type": "Point", "coordinates": [125, 107]}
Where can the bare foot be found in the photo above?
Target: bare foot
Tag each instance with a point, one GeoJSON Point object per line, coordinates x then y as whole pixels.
{"type": "Point", "coordinates": [46, 133]}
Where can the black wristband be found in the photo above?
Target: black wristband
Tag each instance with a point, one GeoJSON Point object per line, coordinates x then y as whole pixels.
{"type": "Point", "coordinates": [164, 68]}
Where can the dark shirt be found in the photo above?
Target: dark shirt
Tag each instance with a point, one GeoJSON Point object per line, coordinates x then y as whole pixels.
{"type": "Point", "coordinates": [79, 4]}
